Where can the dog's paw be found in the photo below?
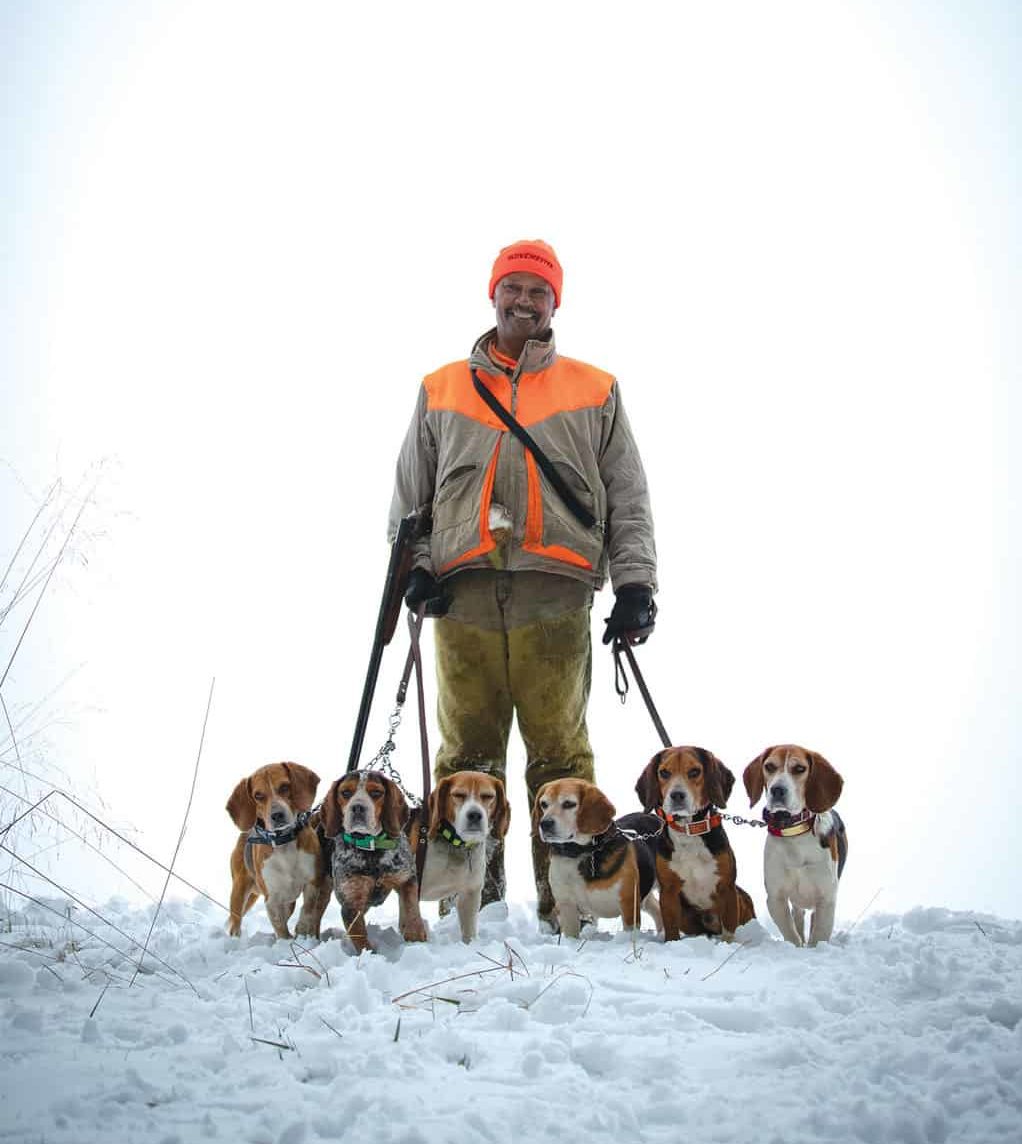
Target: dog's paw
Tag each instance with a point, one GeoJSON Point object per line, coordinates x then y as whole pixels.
{"type": "Point", "coordinates": [414, 931]}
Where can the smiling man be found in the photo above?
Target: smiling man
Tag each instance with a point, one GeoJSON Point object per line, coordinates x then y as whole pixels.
{"type": "Point", "coordinates": [528, 465]}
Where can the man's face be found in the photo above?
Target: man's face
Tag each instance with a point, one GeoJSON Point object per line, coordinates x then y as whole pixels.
{"type": "Point", "coordinates": [525, 306]}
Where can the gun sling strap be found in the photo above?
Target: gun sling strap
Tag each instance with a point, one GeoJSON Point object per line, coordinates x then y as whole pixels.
{"type": "Point", "coordinates": [578, 510]}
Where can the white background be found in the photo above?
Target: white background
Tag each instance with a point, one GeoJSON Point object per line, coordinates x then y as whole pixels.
{"type": "Point", "coordinates": [236, 236]}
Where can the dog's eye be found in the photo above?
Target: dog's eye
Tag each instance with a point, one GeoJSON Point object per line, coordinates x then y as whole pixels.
{"type": "Point", "coordinates": [693, 773]}
{"type": "Point", "coordinates": [799, 769]}
{"type": "Point", "coordinates": [770, 768]}
{"type": "Point", "coordinates": [569, 804]}
{"type": "Point", "coordinates": [284, 788]}
{"type": "Point", "coordinates": [543, 804]}
{"type": "Point", "coordinates": [665, 775]}
{"type": "Point", "coordinates": [459, 795]}
{"type": "Point", "coordinates": [259, 796]}
{"type": "Point", "coordinates": [376, 794]}
{"type": "Point", "coordinates": [488, 796]}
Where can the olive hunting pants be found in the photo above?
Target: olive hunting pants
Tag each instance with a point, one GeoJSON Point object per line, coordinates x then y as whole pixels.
{"type": "Point", "coordinates": [515, 644]}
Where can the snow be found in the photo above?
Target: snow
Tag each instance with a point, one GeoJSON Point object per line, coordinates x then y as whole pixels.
{"type": "Point", "coordinates": [905, 1028]}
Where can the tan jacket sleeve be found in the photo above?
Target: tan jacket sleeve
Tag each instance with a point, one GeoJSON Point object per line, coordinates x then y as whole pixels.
{"type": "Point", "coordinates": [415, 480]}
{"type": "Point", "coordinates": [631, 548]}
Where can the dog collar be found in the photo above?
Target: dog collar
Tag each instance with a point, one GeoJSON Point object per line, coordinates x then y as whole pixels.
{"type": "Point", "coordinates": [260, 836]}
{"type": "Point", "coordinates": [696, 826]}
{"type": "Point", "coordinates": [449, 834]}
{"type": "Point", "coordinates": [800, 823]}
{"type": "Point", "coordinates": [381, 841]}
{"type": "Point", "coordinates": [577, 849]}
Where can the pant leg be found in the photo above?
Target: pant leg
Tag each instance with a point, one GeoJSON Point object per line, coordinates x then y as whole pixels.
{"type": "Point", "coordinates": [474, 713]}
{"type": "Point", "coordinates": [550, 671]}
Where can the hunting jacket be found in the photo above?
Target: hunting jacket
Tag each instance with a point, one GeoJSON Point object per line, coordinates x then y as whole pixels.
{"type": "Point", "coordinates": [460, 460]}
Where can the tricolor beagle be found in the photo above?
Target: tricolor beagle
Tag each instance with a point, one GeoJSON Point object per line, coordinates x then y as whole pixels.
{"type": "Point", "coordinates": [465, 810]}
{"type": "Point", "coordinates": [363, 819]}
{"type": "Point", "coordinates": [807, 845]}
{"type": "Point", "coordinates": [277, 854]}
{"type": "Point", "coordinates": [695, 863]}
{"type": "Point", "coordinates": [596, 869]}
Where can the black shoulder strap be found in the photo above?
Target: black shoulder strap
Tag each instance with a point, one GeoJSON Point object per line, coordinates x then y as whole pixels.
{"type": "Point", "coordinates": [578, 510]}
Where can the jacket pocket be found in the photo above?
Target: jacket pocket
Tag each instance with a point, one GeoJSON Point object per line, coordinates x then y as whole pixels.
{"type": "Point", "coordinates": [456, 512]}
{"type": "Point", "coordinates": [560, 525]}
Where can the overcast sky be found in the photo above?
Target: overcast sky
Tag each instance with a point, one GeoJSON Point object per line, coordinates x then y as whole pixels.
{"type": "Point", "coordinates": [236, 236]}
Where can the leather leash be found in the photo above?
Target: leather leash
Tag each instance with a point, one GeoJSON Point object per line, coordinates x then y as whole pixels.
{"type": "Point", "coordinates": [414, 659]}
{"type": "Point", "coordinates": [622, 644]}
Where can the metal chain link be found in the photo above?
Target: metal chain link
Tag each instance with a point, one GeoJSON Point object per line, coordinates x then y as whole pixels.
{"type": "Point", "coordinates": [381, 760]}
{"type": "Point", "coordinates": [739, 821]}
{"type": "Point", "coordinates": [634, 836]}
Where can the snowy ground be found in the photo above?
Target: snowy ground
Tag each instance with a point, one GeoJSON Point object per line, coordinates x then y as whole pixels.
{"type": "Point", "coordinates": [906, 1029]}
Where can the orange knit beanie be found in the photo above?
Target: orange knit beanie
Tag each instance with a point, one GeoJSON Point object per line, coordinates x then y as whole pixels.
{"type": "Point", "coordinates": [531, 255]}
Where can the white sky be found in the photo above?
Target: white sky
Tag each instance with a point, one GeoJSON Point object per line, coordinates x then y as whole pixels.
{"type": "Point", "coordinates": [234, 240]}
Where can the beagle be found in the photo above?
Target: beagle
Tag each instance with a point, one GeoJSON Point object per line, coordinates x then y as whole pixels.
{"type": "Point", "coordinates": [695, 864]}
{"type": "Point", "coordinates": [277, 854]}
{"type": "Point", "coordinates": [596, 868]}
{"type": "Point", "coordinates": [465, 810]}
{"type": "Point", "coordinates": [806, 845]}
{"type": "Point", "coordinates": [363, 818]}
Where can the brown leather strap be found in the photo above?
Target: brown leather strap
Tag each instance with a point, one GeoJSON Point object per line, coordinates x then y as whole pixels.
{"type": "Point", "coordinates": [415, 620]}
{"type": "Point", "coordinates": [622, 644]}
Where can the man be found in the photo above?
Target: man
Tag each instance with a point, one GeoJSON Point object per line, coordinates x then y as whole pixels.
{"type": "Point", "coordinates": [515, 555]}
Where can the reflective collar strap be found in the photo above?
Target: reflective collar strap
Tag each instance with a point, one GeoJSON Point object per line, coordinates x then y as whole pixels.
{"type": "Point", "coordinates": [379, 841]}
{"type": "Point", "coordinates": [259, 836]}
{"type": "Point", "coordinates": [449, 834]}
{"type": "Point", "coordinates": [801, 824]}
{"type": "Point", "coordinates": [697, 826]}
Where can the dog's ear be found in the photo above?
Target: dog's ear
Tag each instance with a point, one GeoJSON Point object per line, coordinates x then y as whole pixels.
{"type": "Point", "coordinates": [330, 813]}
{"type": "Point", "coordinates": [395, 809]}
{"type": "Point", "coordinates": [303, 785]}
{"type": "Point", "coordinates": [719, 780]}
{"type": "Point", "coordinates": [437, 806]}
{"type": "Point", "coordinates": [823, 788]}
{"type": "Point", "coordinates": [595, 811]}
{"type": "Point", "coordinates": [502, 811]}
{"type": "Point", "coordinates": [752, 776]}
{"type": "Point", "coordinates": [241, 806]}
{"type": "Point", "coordinates": [648, 786]}
{"type": "Point", "coordinates": [537, 814]}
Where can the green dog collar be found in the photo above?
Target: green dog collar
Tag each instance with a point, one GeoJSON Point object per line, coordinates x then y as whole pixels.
{"type": "Point", "coordinates": [371, 841]}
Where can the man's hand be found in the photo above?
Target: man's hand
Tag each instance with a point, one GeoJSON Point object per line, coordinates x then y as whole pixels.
{"type": "Point", "coordinates": [634, 612]}
{"type": "Point", "coordinates": [422, 587]}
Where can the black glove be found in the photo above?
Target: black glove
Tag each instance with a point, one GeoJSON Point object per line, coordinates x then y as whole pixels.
{"type": "Point", "coordinates": [422, 587]}
{"type": "Point", "coordinates": [633, 612]}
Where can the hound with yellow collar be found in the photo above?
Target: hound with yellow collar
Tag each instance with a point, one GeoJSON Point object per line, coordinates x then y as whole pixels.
{"type": "Point", "coordinates": [466, 811]}
{"type": "Point", "coordinates": [807, 845]}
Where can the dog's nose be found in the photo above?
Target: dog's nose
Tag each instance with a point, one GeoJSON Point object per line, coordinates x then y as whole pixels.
{"type": "Point", "coordinates": [546, 824]}
{"type": "Point", "coordinates": [357, 810]}
{"type": "Point", "coordinates": [677, 796]}
{"type": "Point", "coordinates": [779, 791]}
{"type": "Point", "coordinates": [278, 817]}
{"type": "Point", "coordinates": [474, 817]}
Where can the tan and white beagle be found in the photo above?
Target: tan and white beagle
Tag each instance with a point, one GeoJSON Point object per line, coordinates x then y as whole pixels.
{"type": "Point", "coordinates": [684, 786]}
{"type": "Point", "coordinates": [597, 869]}
{"type": "Point", "coordinates": [807, 845]}
{"type": "Point", "coordinates": [465, 810]}
{"type": "Point", "coordinates": [277, 854]}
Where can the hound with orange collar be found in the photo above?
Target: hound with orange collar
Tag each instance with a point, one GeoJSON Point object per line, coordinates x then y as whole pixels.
{"type": "Point", "coordinates": [807, 845]}
{"type": "Point", "coordinates": [695, 864]}
{"type": "Point", "coordinates": [277, 855]}
{"type": "Point", "coordinates": [596, 868]}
